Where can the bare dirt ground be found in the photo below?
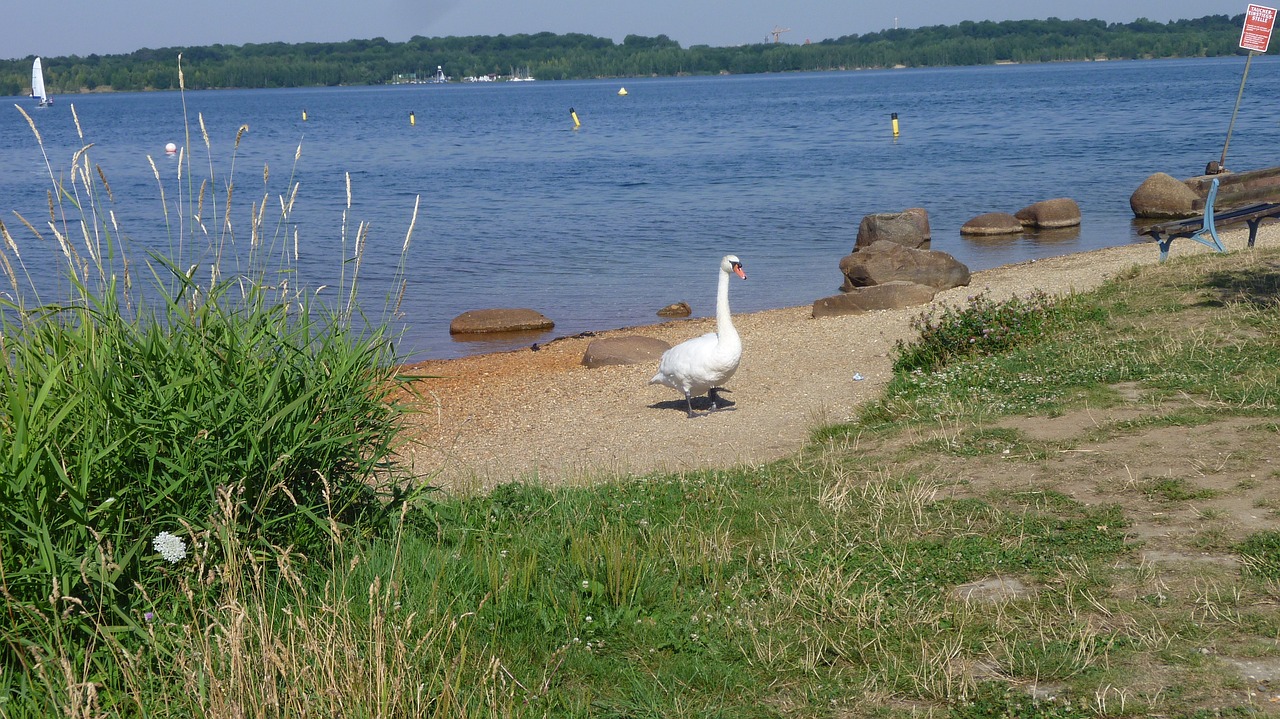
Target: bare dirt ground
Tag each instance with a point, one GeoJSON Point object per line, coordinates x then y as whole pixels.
{"type": "Point", "coordinates": [543, 415]}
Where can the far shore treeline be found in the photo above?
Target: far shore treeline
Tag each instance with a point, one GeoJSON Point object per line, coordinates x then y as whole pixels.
{"type": "Point", "coordinates": [548, 56]}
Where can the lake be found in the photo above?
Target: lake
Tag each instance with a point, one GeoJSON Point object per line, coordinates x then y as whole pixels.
{"type": "Point", "coordinates": [599, 226]}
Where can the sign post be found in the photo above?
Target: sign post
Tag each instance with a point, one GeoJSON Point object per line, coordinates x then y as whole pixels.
{"type": "Point", "coordinates": [1255, 37]}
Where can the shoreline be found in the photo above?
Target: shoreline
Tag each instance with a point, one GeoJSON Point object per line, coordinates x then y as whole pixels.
{"type": "Point", "coordinates": [646, 328]}
{"type": "Point", "coordinates": [543, 416]}
{"type": "Point", "coordinates": [517, 341]}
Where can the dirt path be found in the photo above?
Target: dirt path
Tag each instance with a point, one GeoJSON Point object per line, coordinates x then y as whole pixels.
{"type": "Point", "coordinates": [542, 414]}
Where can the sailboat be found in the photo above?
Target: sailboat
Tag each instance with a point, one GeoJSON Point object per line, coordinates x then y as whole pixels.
{"type": "Point", "coordinates": [37, 84]}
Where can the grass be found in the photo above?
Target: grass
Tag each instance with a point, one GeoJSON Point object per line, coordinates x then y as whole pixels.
{"type": "Point", "coordinates": [156, 431]}
{"type": "Point", "coordinates": [851, 580]}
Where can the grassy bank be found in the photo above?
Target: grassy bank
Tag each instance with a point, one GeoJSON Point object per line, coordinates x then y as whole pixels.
{"type": "Point", "coordinates": [1058, 509]}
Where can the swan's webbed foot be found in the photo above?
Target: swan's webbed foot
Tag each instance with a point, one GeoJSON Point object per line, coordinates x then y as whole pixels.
{"type": "Point", "coordinates": [714, 395]}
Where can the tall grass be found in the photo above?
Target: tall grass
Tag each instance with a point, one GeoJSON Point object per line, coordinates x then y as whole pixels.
{"type": "Point", "coordinates": [169, 412]}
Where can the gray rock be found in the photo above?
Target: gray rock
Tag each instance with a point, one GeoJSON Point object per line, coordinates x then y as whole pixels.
{"type": "Point", "coordinates": [1163, 196]}
{"type": "Point", "coordinates": [1047, 214]}
{"type": "Point", "coordinates": [992, 223]}
{"type": "Point", "coordinates": [475, 322]}
{"type": "Point", "coordinates": [909, 228]}
{"type": "Point", "coordinates": [886, 262]}
{"type": "Point", "coordinates": [632, 349]}
{"type": "Point", "coordinates": [888, 296]}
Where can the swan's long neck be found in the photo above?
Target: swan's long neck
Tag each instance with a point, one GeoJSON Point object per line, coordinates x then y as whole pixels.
{"type": "Point", "coordinates": [726, 334]}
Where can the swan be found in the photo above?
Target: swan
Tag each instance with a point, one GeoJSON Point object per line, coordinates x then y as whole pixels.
{"type": "Point", "coordinates": [703, 363]}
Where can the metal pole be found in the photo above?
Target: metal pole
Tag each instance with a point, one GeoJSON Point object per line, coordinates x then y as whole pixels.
{"type": "Point", "coordinates": [1222, 164]}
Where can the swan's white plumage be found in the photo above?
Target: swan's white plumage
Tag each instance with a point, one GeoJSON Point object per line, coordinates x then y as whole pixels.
{"type": "Point", "coordinates": [696, 366]}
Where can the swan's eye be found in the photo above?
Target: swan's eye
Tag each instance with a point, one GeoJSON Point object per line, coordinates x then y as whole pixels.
{"type": "Point", "coordinates": [736, 264]}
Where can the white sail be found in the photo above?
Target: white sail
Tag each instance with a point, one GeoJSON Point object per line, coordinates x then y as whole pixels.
{"type": "Point", "coordinates": [37, 84]}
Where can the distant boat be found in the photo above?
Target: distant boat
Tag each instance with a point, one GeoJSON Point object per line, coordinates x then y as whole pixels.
{"type": "Point", "coordinates": [526, 77]}
{"type": "Point", "coordinates": [37, 84]}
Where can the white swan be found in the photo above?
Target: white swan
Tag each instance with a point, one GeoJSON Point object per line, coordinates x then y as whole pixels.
{"type": "Point", "coordinates": [703, 363]}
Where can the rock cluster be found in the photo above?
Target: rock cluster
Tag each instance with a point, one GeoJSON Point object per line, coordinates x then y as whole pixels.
{"type": "Point", "coordinates": [889, 268]}
{"type": "Point", "coordinates": [1046, 214]}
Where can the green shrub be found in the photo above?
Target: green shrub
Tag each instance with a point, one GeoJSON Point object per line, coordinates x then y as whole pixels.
{"type": "Point", "coordinates": [981, 327]}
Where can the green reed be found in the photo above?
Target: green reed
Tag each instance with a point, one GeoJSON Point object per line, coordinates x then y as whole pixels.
{"type": "Point", "coordinates": [167, 408]}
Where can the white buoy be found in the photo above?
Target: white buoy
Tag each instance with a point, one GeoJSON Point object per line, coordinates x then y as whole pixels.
{"type": "Point", "coordinates": [171, 148]}
{"type": "Point", "coordinates": [622, 91]}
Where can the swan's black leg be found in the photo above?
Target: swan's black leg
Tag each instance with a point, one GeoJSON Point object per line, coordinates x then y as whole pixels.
{"type": "Point", "coordinates": [714, 394]}
{"type": "Point", "coordinates": [689, 398]}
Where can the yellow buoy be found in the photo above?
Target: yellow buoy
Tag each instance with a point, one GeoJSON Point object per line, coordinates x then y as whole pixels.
{"type": "Point", "coordinates": [304, 115]}
{"type": "Point", "coordinates": [412, 120]}
{"type": "Point", "coordinates": [622, 91]}
{"type": "Point", "coordinates": [895, 124]}
{"type": "Point", "coordinates": [574, 115]}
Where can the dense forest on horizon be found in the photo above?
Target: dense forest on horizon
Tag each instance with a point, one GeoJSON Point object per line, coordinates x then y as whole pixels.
{"type": "Point", "coordinates": [548, 56]}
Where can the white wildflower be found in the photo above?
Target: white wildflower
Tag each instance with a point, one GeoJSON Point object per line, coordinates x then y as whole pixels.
{"type": "Point", "coordinates": [170, 546]}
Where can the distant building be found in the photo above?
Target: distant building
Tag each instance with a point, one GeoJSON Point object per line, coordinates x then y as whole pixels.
{"type": "Point", "coordinates": [412, 78]}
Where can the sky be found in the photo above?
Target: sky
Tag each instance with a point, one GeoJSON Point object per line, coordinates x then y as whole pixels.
{"type": "Point", "coordinates": [83, 27]}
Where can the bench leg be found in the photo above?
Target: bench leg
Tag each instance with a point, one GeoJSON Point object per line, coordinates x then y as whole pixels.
{"type": "Point", "coordinates": [1217, 241]}
{"type": "Point", "coordinates": [1164, 247]}
{"type": "Point", "coordinates": [1208, 222]}
{"type": "Point", "coordinates": [1253, 230]}
{"type": "Point", "coordinates": [1211, 241]}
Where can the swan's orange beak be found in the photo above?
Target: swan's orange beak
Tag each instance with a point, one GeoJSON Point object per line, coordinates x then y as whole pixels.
{"type": "Point", "coordinates": [737, 270]}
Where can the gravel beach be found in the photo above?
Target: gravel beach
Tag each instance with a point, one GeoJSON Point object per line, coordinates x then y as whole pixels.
{"type": "Point", "coordinates": [543, 416]}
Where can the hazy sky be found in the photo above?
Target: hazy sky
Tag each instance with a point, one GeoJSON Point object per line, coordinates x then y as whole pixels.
{"type": "Point", "coordinates": [82, 27]}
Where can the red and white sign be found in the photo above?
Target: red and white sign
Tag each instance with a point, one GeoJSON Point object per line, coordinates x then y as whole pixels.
{"type": "Point", "coordinates": [1258, 21]}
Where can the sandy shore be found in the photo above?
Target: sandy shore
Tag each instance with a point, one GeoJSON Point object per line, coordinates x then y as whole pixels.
{"type": "Point", "coordinates": [541, 414]}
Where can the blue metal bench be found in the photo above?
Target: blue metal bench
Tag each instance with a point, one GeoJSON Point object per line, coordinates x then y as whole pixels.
{"type": "Point", "coordinates": [1205, 229]}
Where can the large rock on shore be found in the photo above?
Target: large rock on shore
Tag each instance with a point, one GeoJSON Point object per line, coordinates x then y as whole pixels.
{"type": "Point", "coordinates": [885, 262]}
{"type": "Point", "coordinates": [475, 322]}
{"type": "Point", "coordinates": [632, 349]}
{"type": "Point", "coordinates": [909, 228]}
{"type": "Point", "coordinates": [1163, 196]}
{"type": "Point", "coordinates": [1049, 214]}
{"type": "Point", "coordinates": [888, 296]}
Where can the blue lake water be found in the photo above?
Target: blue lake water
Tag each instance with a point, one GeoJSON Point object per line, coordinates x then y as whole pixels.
{"type": "Point", "coordinates": [597, 227]}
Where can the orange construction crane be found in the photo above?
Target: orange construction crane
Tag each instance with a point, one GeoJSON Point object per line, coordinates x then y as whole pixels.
{"type": "Point", "coordinates": [777, 31]}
